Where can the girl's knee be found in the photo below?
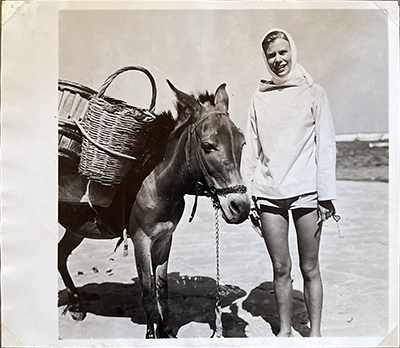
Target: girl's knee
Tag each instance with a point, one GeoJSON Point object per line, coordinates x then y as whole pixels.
{"type": "Point", "coordinates": [310, 271]}
{"type": "Point", "coordinates": [282, 270]}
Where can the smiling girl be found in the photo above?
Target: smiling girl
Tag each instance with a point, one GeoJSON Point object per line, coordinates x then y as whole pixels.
{"type": "Point", "coordinates": [289, 165]}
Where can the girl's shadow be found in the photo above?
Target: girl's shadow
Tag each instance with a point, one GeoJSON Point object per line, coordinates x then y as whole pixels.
{"type": "Point", "coordinates": [191, 299]}
{"type": "Point", "coordinates": [261, 302]}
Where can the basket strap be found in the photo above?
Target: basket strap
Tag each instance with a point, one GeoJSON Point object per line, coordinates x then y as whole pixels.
{"type": "Point", "coordinates": [111, 78]}
{"type": "Point", "coordinates": [112, 152]}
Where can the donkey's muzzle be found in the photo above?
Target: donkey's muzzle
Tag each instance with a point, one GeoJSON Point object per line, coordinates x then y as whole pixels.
{"type": "Point", "coordinates": [235, 207]}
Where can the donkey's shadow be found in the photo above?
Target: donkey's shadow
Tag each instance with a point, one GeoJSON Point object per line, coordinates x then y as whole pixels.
{"type": "Point", "coordinates": [191, 299]}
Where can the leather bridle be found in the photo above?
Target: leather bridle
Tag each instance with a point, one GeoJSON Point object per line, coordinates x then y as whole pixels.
{"type": "Point", "coordinates": [210, 190]}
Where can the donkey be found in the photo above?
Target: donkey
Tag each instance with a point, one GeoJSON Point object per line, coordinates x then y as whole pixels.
{"type": "Point", "coordinates": [203, 150]}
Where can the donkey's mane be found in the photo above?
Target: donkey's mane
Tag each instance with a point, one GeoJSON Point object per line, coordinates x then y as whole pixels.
{"type": "Point", "coordinates": [183, 118]}
{"type": "Point", "coordinates": [202, 98]}
{"type": "Point", "coordinates": [206, 97]}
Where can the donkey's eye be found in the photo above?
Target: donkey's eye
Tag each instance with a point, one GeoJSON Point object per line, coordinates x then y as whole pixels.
{"type": "Point", "coordinates": [208, 147]}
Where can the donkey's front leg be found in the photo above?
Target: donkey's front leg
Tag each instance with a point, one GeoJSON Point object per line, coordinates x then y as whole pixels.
{"type": "Point", "coordinates": [160, 254]}
{"type": "Point", "coordinates": [142, 245]}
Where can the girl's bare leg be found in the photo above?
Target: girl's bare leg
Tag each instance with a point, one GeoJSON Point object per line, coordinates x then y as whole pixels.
{"type": "Point", "coordinates": [275, 232]}
{"type": "Point", "coordinates": [308, 240]}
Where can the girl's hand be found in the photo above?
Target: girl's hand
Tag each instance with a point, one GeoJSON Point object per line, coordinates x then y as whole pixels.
{"type": "Point", "coordinates": [326, 209]}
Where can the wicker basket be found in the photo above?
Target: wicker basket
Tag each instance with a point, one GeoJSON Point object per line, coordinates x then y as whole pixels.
{"type": "Point", "coordinates": [114, 133]}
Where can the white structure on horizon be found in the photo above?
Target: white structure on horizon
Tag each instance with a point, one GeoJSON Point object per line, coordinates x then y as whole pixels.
{"type": "Point", "coordinates": [363, 137]}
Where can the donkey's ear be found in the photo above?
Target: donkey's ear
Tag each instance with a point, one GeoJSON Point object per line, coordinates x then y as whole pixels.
{"type": "Point", "coordinates": [183, 99]}
{"type": "Point", "coordinates": [221, 98]}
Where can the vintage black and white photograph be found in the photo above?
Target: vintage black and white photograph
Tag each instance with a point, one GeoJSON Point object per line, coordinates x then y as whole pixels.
{"type": "Point", "coordinates": [218, 174]}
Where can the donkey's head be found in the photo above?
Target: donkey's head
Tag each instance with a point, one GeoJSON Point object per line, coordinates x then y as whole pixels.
{"type": "Point", "coordinates": [214, 149]}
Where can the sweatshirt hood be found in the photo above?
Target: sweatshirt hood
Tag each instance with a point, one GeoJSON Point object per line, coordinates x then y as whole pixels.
{"type": "Point", "coordinates": [297, 74]}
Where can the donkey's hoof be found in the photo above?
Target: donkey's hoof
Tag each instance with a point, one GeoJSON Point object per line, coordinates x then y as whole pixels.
{"type": "Point", "coordinates": [150, 330]}
{"type": "Point", "coordinates": [78, 316]}
{"type": "Point", "coordinates": [150, 334]}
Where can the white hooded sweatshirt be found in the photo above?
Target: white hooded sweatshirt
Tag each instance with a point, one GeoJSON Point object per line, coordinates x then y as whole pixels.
{"type": "Point", "coordinates": [290, 139]}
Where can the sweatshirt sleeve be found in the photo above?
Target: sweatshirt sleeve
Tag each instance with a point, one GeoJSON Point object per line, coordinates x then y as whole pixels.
{"type": "Point", "coordinates": [326, 147]}
{"type": "Point", "coordinates": [250, 149]}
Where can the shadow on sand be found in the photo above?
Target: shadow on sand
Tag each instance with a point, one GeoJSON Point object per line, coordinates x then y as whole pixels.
{"type": "Point", "coordinates": [191, 299]}
{"type": "Point", "coordinates": [261, 302]}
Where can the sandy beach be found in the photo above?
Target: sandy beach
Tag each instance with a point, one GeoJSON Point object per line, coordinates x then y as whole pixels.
{"type": "Point", "coordinates": [354, 270]}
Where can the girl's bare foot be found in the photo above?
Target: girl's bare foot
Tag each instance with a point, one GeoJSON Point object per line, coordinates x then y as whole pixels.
{"type": "Point", "coordinates": [285, 333]}
{"type": "Point", "coordinates": [315, 334]}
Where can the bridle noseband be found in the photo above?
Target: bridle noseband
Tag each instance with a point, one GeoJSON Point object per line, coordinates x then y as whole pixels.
{"type": "Point", "coordinates": [210, 190]}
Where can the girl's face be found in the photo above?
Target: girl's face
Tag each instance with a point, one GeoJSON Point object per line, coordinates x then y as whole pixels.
{"type": "Point", "coordinates": [279, 57]}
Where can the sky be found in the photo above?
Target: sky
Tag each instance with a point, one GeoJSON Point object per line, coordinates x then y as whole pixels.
{"type": "Point", "coordinates": [344, 50]}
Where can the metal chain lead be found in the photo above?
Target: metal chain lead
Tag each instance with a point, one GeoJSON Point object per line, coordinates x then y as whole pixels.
{"type": "Point", "coordinates": [218, 310]}
{"type": "Point", "coordinates": [217, 248]}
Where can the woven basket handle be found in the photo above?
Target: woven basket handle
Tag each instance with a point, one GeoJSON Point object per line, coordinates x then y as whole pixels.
{"type": "Point", "coordinates": [111, 78]}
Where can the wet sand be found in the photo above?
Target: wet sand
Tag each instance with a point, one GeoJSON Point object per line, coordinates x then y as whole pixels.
{"type": "Point", "coordinates": [354, 270]}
